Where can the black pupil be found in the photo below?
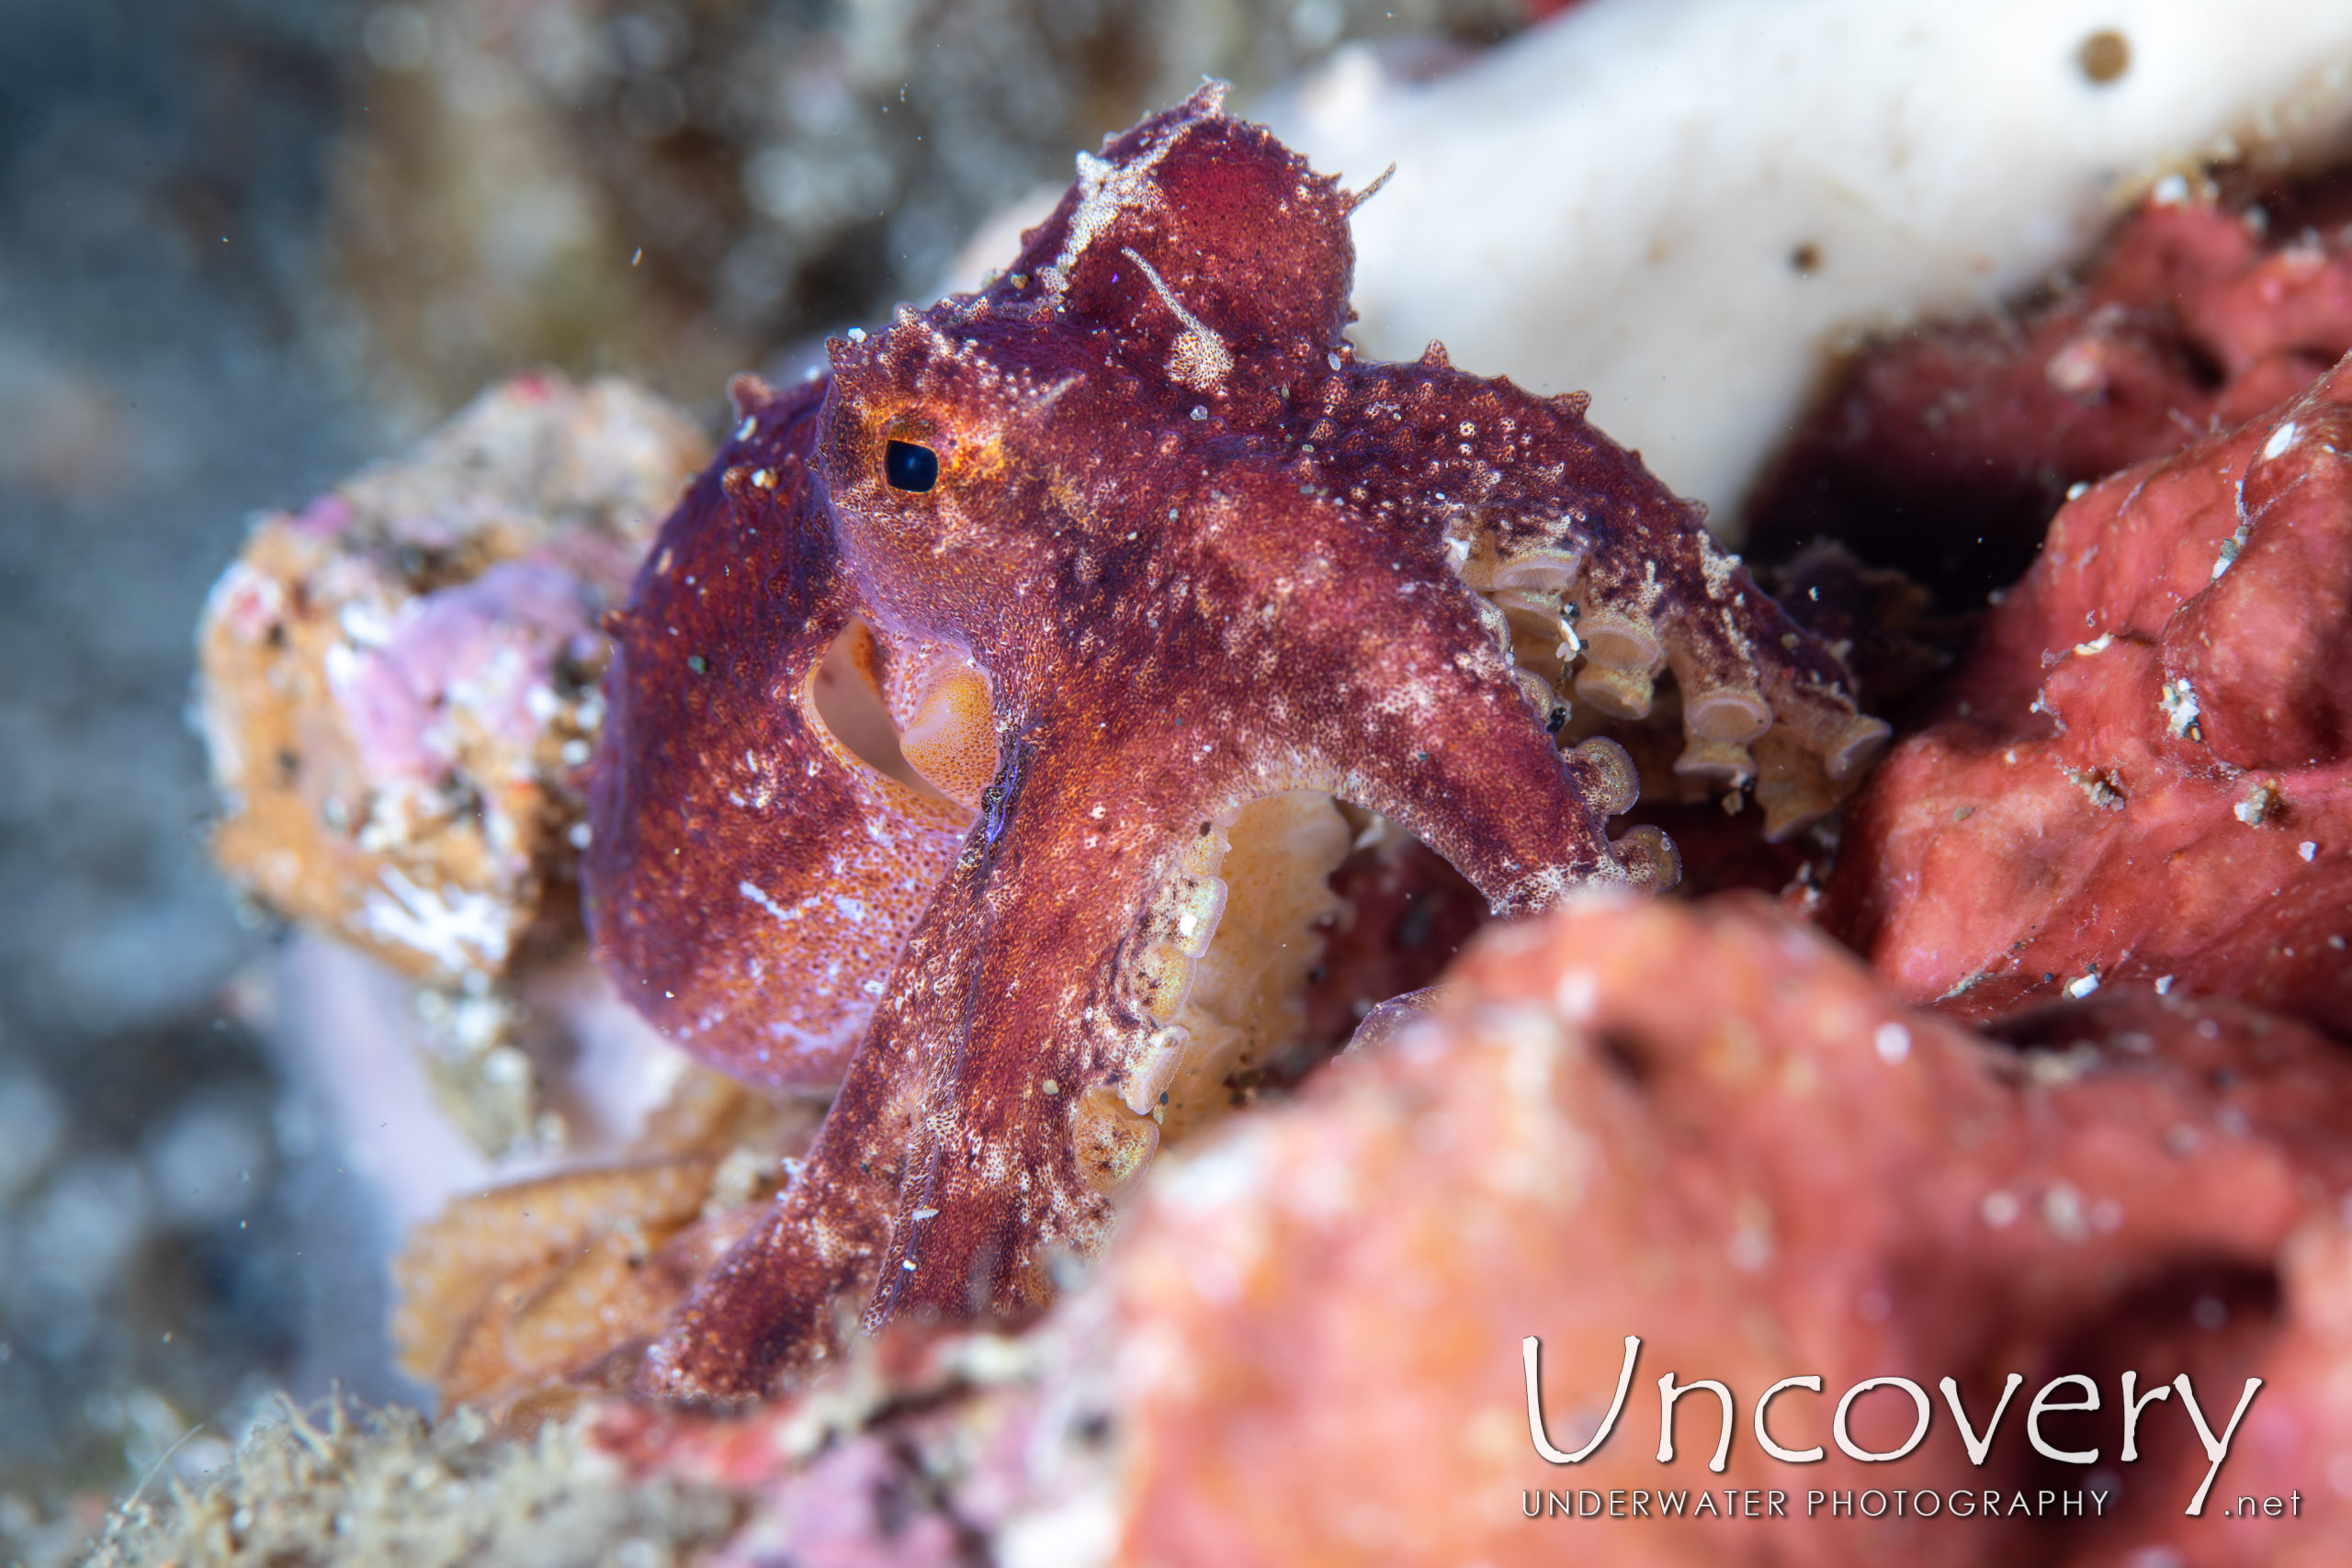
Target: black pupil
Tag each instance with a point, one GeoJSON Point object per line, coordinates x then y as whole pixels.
{"type": "Point", "coordinates": [909, 467]}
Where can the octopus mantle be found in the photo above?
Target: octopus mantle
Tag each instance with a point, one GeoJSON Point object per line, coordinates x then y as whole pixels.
{"type": "Point", "coordinates": [1122, 543]}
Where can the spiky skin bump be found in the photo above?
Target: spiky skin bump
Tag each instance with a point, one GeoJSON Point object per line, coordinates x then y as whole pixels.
{"type": "Point", "coordinates": [1201, 555]}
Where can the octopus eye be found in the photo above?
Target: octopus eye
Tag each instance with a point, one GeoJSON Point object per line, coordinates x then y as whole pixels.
{"type": "Point", "coordinates": [909, 467]}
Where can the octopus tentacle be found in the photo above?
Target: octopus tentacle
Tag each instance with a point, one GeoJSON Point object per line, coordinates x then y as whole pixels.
{"type": "Point", "coordinates": [750, 880]}
{"type": "Point", "coordinates": [1547, 515]}
{"type": "Point", "coordinates": [1007, 1090]}
{"type": "Point", "coordinates": [1411, 707]}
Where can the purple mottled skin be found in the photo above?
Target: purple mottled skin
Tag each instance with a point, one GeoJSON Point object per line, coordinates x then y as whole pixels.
{"type": "Point", "coordinates": [1198, 554]}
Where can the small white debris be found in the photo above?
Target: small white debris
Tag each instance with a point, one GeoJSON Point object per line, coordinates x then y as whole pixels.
{"type": "Point", "coordinates": [857, 334]}
{"type": "Point", "coordinates": [2232, 547]}
{"type": "Point", "coordinates": [2178, 702]}
{"type": "Point", "coordinates": [2078, 489]}
{"type": "Point", "coordinates": [908, 1264]}
{"type": "Point", "coordinates": [2259, 802]}
{"type": "Point", "coordinates": [749, 428]}
{"type": "Point", "coordinates": [2083, 988]}
{"type": "Point", "coordinates": [1893, 1043]}
{"type": "Point", "coordinates": [2099, 645]}
{"type": "Point", "coordinates": [2097, 787]}
{"type": "Point", "coordinates": [2163, 984]}
{"type": "Point", "coordinates": [2061, 1211]}
{"type": "Point", "coordinates": [2308, 849]}
{"type": "Point", "coordinates": [2170, 191]}
{"type": "Point", "coordinates": [924, 1214]}
{"type": "Point", "coordinates": [2281, 439]}
{"type": "Point", "coordinates": [580, 835]}
{"type": "Point", "coordinates": [1576, 995]}
{"type": "Point", "coordinates": [2000, 1210]}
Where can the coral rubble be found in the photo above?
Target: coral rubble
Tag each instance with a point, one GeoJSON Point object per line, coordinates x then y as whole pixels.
{"type": "Point", "coordinates": [399, 691]}
{"type": "Point", "coordinates": [400, 678]}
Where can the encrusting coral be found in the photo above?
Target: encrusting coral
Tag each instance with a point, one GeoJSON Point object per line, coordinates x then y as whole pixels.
{"type": "Point", "coordinates": [1945, 452]}
{"type": "Point", "coordinates": [1709, 1128]}
{"type": "Point", "coordinates": [2142, 771]}
{"type": "Point", "coordinates": [399, 693]}
{"type": "Point", "coordinates": [1154, 545]}
{"type": "Point", "coordinates": [400, 680]}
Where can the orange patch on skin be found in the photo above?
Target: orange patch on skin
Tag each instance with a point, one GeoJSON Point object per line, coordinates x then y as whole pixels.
{"type": "Point", "coordinates": [950, 733]}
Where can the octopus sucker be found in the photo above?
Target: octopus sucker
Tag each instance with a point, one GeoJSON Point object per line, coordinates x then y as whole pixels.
{"type": "Point", "coordinates": [1616, 690]}
{"type": "Point", "coordinates": [1154, 571]}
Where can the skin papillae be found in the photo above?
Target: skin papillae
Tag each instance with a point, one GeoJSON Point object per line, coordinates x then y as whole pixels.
{"type": "Point", "coordinates": [1182, 550]}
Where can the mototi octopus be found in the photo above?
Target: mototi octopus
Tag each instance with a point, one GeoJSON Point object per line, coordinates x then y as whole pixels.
{"type": "Point", "coordinates": [1122, 543]}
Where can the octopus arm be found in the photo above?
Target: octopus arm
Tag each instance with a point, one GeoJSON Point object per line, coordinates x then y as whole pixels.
{"type": "Point", "coordinates": [1400, 695]}
{"type": "Point", "coordinates": [1549, 519]}
{"type": "Point", "coordinates": [751, 881]}
{"type": "Point", "coordinates": [1003, 1096]}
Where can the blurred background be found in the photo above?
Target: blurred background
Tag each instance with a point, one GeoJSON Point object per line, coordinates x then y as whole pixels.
{"type": "Point", "coordinates": [248, 245]}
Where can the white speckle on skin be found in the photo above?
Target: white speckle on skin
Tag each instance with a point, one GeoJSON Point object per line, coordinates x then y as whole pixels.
{"type": "Point", "coordinates": [2083, 988]}
{"type": "Point", "coordinates": [1199, 358]}
{"type": "Point", "coordinates": [2163, 984]}
{"type": "Point", "coordinates": [761, 897]}
{"type": "Point", "coordinates": [1106, 190]}
{"type": "Point", "coordinates": [2308, 849]}
{"type": "Point", "coordinates": [1716, 565]}
{"type": "Point", "coordinates": [1892, 1041]}
{"type": "Point", "coordinates": [2280, 440]}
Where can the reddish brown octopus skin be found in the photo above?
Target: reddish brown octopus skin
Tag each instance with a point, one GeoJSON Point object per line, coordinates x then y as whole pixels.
{"type": "Point", "coordinates": [1199, 555]}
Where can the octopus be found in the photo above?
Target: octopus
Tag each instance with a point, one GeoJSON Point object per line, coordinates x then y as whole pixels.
{"type": "Point", "coordinates": [1114, 551]}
